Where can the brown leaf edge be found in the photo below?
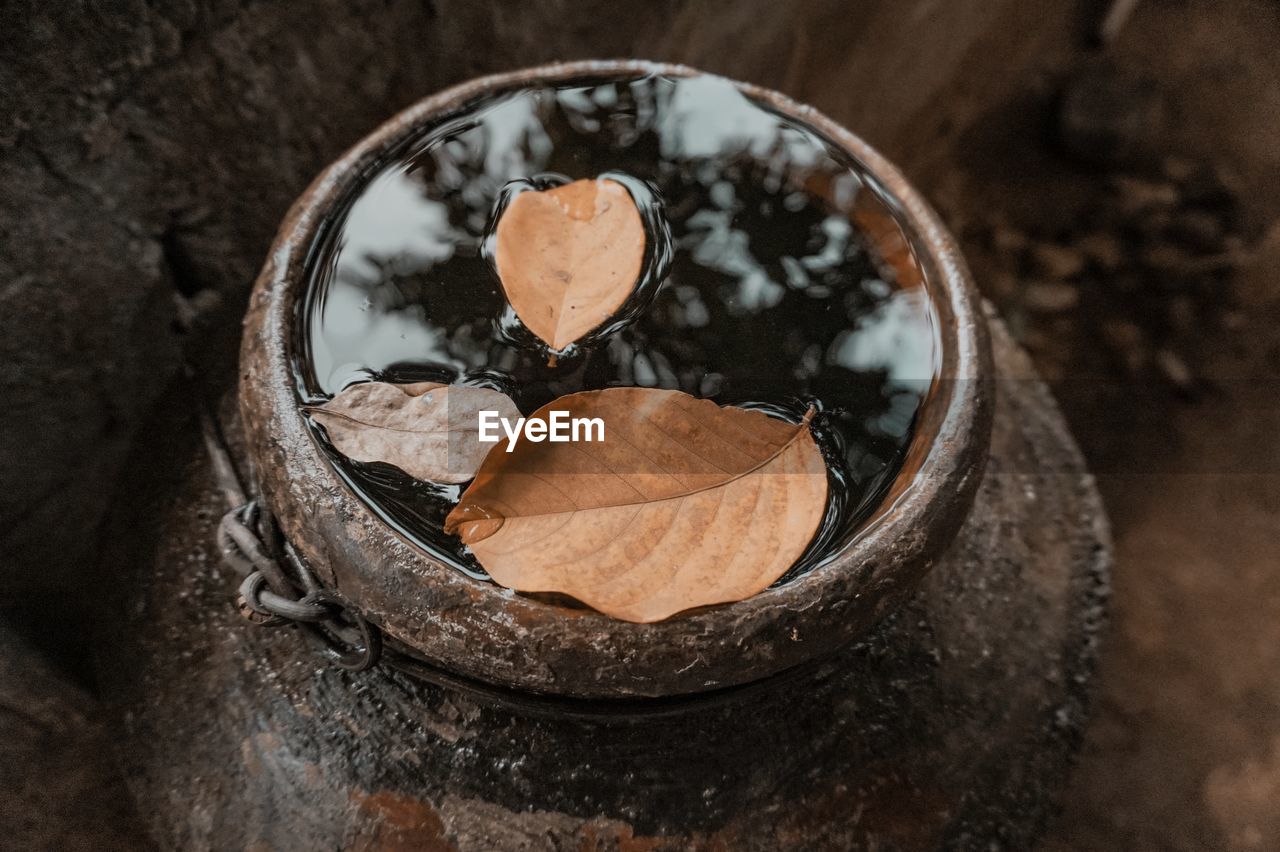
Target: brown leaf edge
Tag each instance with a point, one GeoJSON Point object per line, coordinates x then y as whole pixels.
{"type": "Point", "coordinates": [518, 285]}
{"type": "Point", "coordinates": [411, 390]}
{"type": "Point", "coordinates": [453, 525]}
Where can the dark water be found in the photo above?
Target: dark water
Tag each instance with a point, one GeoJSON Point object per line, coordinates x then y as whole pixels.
{"type": "Point", "coordinates": [764, 289]}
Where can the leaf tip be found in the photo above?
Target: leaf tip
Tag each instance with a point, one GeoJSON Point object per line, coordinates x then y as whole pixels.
{"type": "Point", "coordinates": [471, 523]}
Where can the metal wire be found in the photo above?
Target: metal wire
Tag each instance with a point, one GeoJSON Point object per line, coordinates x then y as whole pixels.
{"type": "Point", "coordinates": [269, 595]}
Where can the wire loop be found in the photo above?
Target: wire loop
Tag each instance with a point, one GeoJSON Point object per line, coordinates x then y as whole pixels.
{"type": "Point", "coordinates": [270, 596]}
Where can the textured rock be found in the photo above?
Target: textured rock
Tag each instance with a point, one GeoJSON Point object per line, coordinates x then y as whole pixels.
{"type": "Point", "coordinates": [147, 152]}
{"type": "Point", "coordinates": [951, 725]}
{"type": "Point", "coordinates": [1111, 117]}
{"type": "Point", "coordinates": [59, 787]}
{"type": "Point", "coordinates": [147, 155]}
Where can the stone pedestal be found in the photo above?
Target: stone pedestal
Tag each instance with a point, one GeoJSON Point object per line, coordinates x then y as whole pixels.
{"type": "Point", "coordinates": [950, 726]}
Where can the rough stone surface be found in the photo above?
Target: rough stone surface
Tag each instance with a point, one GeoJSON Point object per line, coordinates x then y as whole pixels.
{"type": "Point", "coordinates": [59, 787]}
{"type": "Point", "coordinates": [950, 726]}
{"type": "Point", "coordinates": [147, 152]}
{"type": "Point", "coordinates": [1181, 754]}
{"type": "Point", "coordinates": [146, 156]}
{"type": "Point", "coordinates": [1109, 117]}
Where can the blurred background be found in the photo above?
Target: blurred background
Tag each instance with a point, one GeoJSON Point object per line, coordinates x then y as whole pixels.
{"type": "Point", "coordinates": [1112, 170]}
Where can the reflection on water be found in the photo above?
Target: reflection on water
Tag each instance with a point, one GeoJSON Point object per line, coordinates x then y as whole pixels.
{"type": "Point", "coordinates": [767, 288]}
{"type": "Point", "coordinates": [888, 338]}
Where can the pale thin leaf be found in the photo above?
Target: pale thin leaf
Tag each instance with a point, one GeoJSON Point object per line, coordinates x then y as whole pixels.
{"type": "Point", "coordinates": [428, 430]}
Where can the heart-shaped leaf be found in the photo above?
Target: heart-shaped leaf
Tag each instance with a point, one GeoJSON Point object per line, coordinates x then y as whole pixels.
{"type": "Point", "coordinates": [428, 430]}
{"type": "Point", "coordinates": [569, 257]}
{"type": "Point", "coordinates": [683, 504]}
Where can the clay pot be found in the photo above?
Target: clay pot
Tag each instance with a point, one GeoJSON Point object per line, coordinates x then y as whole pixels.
{"type": "Point", "coordinates": [924, 691]}
{"type": "Point", "coordinates": [479, 630]}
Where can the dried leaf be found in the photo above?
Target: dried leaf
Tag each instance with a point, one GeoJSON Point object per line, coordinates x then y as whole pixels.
{"type": "Point", "coordinates": [426, 429]}
{"type": "Point", "coordinates": [569, 257]}
{"type": "Point", "coordinates": [683, 504]}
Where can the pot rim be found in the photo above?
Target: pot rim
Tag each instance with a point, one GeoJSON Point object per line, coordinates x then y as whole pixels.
{"type": "Point", "coordinates": [483, 631]}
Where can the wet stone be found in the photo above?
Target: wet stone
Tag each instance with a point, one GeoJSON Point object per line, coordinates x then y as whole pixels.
{"type": "Point", "coordinates": [1110, 117]}
{"type": "Point", "coordinates": [1102, 248]}
{"type": "Point", "coordinates": [1050, 298]}
{"type": "Point", "coordinates": [1136, 195]}
{"type": "Point", "coordinates": [1056, 261]}
{"type": "Point", "coordinates": [917, 738]}
{"type": "Point", "coordinates": [1173, 368]}
{"type": "Point", "coordinates": [1199, 230]}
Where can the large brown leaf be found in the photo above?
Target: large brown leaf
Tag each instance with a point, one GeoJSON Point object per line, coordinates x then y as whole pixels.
{"type": "Point", "coordinates": [426, 429]}
{"type": "Point", "coordinates": [682, 504]}
{"type": "Point", "coordinates": [569, 257]}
